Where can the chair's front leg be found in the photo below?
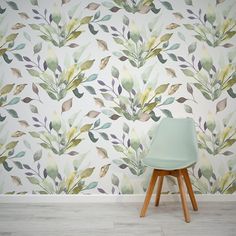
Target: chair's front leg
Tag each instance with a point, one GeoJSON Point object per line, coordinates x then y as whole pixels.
{"type": "Point", "coordinates": [149, 193]}
{"type": "Point", "coordinates": [183, 197]}
{"type": "Point", "coordinates": [159, 187]}
{"type": "Point", "coordinates": [190, 189]}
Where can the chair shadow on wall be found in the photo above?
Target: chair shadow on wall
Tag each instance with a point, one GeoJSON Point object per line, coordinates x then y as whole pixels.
{"type": "Point", "coordinates": [173, 150]}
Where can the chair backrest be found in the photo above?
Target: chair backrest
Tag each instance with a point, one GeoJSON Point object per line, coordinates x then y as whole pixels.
{"type": "Point", "coordinates": [176, 139]}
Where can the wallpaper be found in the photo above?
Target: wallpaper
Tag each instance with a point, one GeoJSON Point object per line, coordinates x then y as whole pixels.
{"type": "Point", "coordinates": [83, 83]}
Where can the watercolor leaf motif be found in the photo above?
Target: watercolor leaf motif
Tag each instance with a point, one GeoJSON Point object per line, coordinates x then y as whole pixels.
{"type": "Point", "coordinates": [53, 28]}
{"type": "Point", "coordinates": [131, 150]}
{"type": "Point", "coordinates": [207, 181]}
{"type": "Point", "coordinates": [50, 181]}
{"type": "Point", "coordinates": [98, 22]}
{"type": "Point", "coordinates": [7, 42]}
{"type": "Point", "coordinates": [8, 153]}
{"type": "Point", "coordinates": [140, 6]}
{"type": "Point", "coordinates": [133, 102]}
{"type": "Point", "coordinates": [212, 28]}
{"type": "Point", "coordinates": [63, 137]}
{"type": "Point", "coordinates": [216, 140]}
{"type": "Point", "coordinates": [8, 98]}
{"type": "Point", "coordinates": [210, 81]}
{"type": "Point", "coordinates": [138, 49]}
{"type": "Point", "coordinates": [56, 80]}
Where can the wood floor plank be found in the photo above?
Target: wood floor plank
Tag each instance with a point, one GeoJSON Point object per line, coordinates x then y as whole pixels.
{"type": "Point", "coordinates": [103, 219]}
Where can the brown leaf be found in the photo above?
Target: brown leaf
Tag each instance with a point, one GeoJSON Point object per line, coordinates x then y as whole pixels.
{"type": "Point", "coordinates": [102, 152]}
{"type": "Point", "coordinates": [23, 123]}
{"type": "Point", "coordinates": [23, 15]}
{"type": "Point", "coordinates": [64, 1]}
{"type": "Point", "coordinates": [170, 72]}
{"type": "Point", "coordinates": [178, 15]}
{"type": "Point", "coordinates": [104, 170]}
{"type": "Point", "coordinates": [173, 88]}
{"type": "Point", "coordinates": [221, 105]}
{"type": "Point", "coordinates": [99, 102]}
{"type": "Point", "coordinates": [93, 114]}
{"type": "Point", "coordinates": [16, 180]}
{"type": "Point", "coordinates": [17, 134]}
{"type": "Point", "coordinates": [104, 62]}
{"type": "Point", "coordinates": [16, 72]}
{"type": "Point", "coordinates": [102, 44]}
{"type": "Point", "coordinates": [93, 6]}
{"type": "Point", "coordinates": [172, 26]}
{"type": "Point", "coordinates": [66, 105]}
{"type": "Point", "coordinates": [17, 26]}
{"type": "Point", "coordinates": [19, 88]}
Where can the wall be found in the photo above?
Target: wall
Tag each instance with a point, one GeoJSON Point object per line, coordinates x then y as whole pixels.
{"type": "Point", "coordinates": [83, 83]}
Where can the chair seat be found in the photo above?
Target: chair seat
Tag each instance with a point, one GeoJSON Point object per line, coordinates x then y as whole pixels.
{"type": "Point", "coordinates": [167, 164]}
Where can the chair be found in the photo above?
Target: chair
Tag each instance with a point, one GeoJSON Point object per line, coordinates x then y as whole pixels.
{"type": "Point", "coordinates": [173, 150]}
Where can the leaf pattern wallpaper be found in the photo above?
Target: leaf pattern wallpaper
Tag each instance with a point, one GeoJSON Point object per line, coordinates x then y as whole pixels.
{"type": "Point", "coordinates": [83, 84]}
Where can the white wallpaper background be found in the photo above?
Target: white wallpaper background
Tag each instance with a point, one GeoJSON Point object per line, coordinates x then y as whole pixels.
{"type": "Point", "coordinates": [84, 82]}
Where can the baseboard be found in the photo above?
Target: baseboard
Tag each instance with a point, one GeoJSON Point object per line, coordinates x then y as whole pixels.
{"type": "Point", "coordinates": [105, 198]}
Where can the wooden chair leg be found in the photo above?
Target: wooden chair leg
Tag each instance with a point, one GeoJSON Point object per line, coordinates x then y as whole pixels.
{"type": "Point", "coordinates": [183, 198]}
{"type": "Point", "coordinates": [190, 189]}
{"type": "Point", "coordinates": [159, 187]}
{"type": "Point", "coordinates": [149, 193]}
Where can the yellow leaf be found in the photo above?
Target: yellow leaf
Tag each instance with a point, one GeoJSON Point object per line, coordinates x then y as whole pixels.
{"type": "Point", "coordinates": [71, 133]}
{"type": "Point", "coordinates": [70, 180]}
{"type": "Point", "coordinates": [144, 96]}
{"type": "Point", "coordinates": [70, 72]}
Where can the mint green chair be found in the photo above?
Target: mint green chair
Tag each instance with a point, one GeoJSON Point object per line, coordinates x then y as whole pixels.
{"type": "Point", "coordinates": [172, 151]}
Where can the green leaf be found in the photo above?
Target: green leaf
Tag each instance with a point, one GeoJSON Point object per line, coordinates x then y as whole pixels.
{"type": "Point", "coordinates": [37, 155]}
{"type": "Point", "coordinates": [51, 60]}
{"type": "Point", "coordinates": [11, 37]}
{"type": "Point", "coordinates": [12, 5]}
{"type": "Point", "coordinates": [115, 72]}
{"type": "Point", "coordinates": [34, 2]}
{"type": "Point", "coordinates": [86, 128]}
{"type": "Point", "coordinates": [167, 113]}
{"type": "Point", "coordinates": [167, 5]}
{"type": "Point", "coordinates": [188, 109]}
{"type": "Point", "coordinates": [51, 167]}
{"type": "Point", "coordinates": [92, 138]}
{"type": "Point", "coordinates": [165, 37]}
{"type": "Point", "coordinates": [188, 72]}
{"type": "Point", "coordinates": [13, 113]}
{"type": "Point", "coordinates": [34, 134]}
{"type": "Point", "coordinates": [86, 65]}
{"type": "Point", "coordinates": [6, 89]}
{"type": "Point", "coordinates": [33, 72]}
{"type": "Point", "coordinates": [188, 2]}
{"type": "Point", "coordinates": [91, 186]}
{"type": "Point", "coordinates": [85, 20]}
{"type": "Point", "coordinates": [86, 173]}
{"type": "Point", "coordinates": [206, 167]}
{"type": "Point", "coordinates": [3, 159]}
{"type": "Point", "coordinates": [161, 89]}
{"type": "Point", "coordinates": [33, 180]}
{"type": "Point", "coordinates": [192, 47]}
{"type": "Point", "coordinates": [115, 180]}
{"type": "Point", "coordinates": [126, 186]}
{"type": "Point", "coordinates": [11, 145]}
{"type": "Point", "coordinates": [37, 47]}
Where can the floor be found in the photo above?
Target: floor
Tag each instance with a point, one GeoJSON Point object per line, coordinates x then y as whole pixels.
{"type": "Point", "coordinates": [116, 219]}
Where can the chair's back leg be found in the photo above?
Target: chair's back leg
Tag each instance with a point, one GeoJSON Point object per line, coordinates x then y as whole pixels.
{"type": "Point", "coordinates": [190, 189]}
{"type": "Point", "coordinates": [149, 192]}
{"type": "Point", "coordinates": [183, 197]}
{"type": "Point", "coordinates": [159, 187]}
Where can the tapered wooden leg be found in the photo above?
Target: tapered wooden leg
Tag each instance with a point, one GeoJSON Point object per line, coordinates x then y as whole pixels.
{"type": "Point", "coordinates": [183, 198]}
{"type": "Point", "coordinates": [190, 189]}
{"type": "Point", "coordinates": [159, 187]}
{"type": "Point", "coordinates": [149, 193]}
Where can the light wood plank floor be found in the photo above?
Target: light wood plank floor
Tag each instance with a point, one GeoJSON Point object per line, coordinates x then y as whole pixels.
{"type": "Point", "coordinates": [116, 219]}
